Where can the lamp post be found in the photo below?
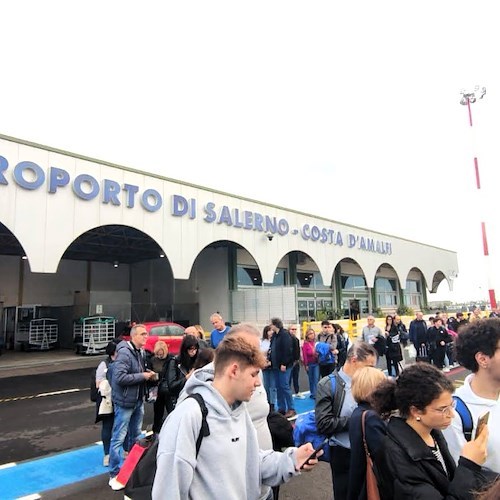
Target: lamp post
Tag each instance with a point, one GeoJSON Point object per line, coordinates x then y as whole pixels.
{"type": "Point", "coordinates": [468, 98]}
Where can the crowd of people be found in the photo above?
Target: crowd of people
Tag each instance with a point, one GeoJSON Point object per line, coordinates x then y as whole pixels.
{"type": "Point", "coordinates": [391, 427]}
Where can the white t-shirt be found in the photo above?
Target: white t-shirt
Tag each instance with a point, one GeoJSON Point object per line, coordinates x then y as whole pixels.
{"type": "Point", "coordinates": [478, 406]}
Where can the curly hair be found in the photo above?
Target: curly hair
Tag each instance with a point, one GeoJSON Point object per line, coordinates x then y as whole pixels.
{"type": "Point", "coordinates": [480, 336]}
{"type": "Point", "coordinates": [417, 385]}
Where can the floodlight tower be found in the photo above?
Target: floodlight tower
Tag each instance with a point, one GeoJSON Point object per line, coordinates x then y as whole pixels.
{"type": "Point", "coordinates": [468, 98]}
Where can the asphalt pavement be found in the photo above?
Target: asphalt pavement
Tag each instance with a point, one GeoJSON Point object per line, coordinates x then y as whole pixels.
{"type": "Point", "coordinates": [315, 485]}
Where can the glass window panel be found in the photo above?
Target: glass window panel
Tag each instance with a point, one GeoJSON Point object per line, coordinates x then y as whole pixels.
{"type": "Point", "coordinates": [249, 276]}
{"type": "Point", "coordinates": [353, 282]}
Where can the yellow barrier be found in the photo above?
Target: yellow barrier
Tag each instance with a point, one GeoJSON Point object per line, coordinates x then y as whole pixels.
{"type": "Point", "coordinates": [353, 328]}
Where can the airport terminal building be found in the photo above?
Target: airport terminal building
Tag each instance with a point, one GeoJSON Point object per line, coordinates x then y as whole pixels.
{"type": "Point", "coordinates": [80, 237]}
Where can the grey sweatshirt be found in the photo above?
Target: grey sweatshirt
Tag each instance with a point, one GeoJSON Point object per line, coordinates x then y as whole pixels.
{"type": "Point", "coordinates": [229, 464]}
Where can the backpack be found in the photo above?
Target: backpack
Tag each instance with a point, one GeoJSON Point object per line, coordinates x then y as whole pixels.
{"type": "Point", "coordinates": [281, 430]}
{"type": "Point", "coordinates": [325, 355]}
{"type": "Point", "coordinates": [305, 430]}
{"type": "Point", "coordinates": [140, 483]}
{"type": "Point", "coordinates": [94, 391]}
{"type": "Point", "coordinates": [465, 417]}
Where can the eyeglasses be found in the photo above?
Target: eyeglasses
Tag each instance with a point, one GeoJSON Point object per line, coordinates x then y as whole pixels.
{"type": "Point", "coordinates": [193, 348]}
{"type": "Point", "coordinates": [293, 329]}
{"type": "Point", "coordinates": [447, 410]}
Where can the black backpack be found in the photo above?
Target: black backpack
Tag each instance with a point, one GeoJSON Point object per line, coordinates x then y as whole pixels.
{"type": "Point", "coordinates": [94, 391]}
{"type": "Point", "coordinates": [140, 484]}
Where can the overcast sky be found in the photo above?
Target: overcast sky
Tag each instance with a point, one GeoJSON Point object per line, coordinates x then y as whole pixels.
{"type": "Point", "coordinates": [346, 110]}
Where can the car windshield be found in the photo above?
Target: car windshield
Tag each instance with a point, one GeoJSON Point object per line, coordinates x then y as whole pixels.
{"type": "Point", "coordinates": [166, 330]}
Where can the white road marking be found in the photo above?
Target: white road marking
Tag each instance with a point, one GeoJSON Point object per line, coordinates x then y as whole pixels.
{"type": "Point", "coordinates": [8, 465]}
{"type": "Point", "coordinates": [56, 393]}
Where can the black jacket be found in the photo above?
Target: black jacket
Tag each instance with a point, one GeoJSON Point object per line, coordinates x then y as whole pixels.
{"type": "Point", "coordinates": [418, 333]}
{"type": "Point", "coordinates": [393, 350]}
{"type": "Point", "coordinates": [281, 349]}
{"type": "Point", "coordinates": [436, 335]}
{"type": "Point", "coordinates": [375, 431]}
{"type": "Point", "coordinates": [329, 406]}
{"type": "Point", "coordinates": [407, 469]}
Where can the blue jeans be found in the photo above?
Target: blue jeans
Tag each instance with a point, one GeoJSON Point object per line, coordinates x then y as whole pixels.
{"type": "Point", "coordinates": [106, 432]}
{"type": "Point", "coordinates": [126, 420]}
{"type": "Point", "coordinates": [270, 386]}
{"type": "Point", "coordinates": [285, 400]}
{"type": "Point", "coordinates": [313, 375]}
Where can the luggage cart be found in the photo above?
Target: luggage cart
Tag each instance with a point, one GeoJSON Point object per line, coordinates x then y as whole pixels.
{"type": "Point", "coordinates": [43, 334]}
{"type": "Point", "coordinates": [92, 334]}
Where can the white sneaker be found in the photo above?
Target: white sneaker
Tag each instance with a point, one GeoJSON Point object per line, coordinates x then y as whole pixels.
{"type": "Point", "coordinates": [446, 370]}
{"type": "Point", "coordinates": [115, 485]}
{"type": "Point", "coordinates": [105, 461]}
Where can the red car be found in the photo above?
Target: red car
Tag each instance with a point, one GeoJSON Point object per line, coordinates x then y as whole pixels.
{"type": "Point", "coordinates": [171, 333]}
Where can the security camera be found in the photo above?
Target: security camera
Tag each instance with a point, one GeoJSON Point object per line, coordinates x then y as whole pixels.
{"type": "Point", "coordinates": [270, 236]}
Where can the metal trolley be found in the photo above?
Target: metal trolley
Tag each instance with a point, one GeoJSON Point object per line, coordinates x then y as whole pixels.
{"type": "Point", "coordinates": [92, 334]}
{"type": "Point", "coordinates": [39, 334]}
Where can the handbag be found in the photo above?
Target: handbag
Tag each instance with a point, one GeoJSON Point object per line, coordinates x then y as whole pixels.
{"type": "Point", "coordinates": [372, 492]}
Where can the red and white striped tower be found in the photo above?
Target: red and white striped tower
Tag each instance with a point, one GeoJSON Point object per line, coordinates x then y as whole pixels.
{"type": "Point", "coordinates": [467, 99]}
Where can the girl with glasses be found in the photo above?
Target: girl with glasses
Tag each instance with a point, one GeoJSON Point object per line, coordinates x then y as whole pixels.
{"type": "Point", "coordinates": [414, 461]}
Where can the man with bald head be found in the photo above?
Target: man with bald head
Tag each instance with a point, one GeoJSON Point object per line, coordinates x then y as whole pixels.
{"type": "Point", "coordinates": [418, 331]}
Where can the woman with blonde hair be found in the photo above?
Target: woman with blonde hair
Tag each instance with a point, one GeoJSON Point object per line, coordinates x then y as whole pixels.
{"type": "Point", "coordinates": [202, 343]}
{"type": "Point", "coordinates": [159, 362]}
{"type": "Point", "coordinates": [310, 360]}
{"type": "Point", "coordinates": [364, 384]}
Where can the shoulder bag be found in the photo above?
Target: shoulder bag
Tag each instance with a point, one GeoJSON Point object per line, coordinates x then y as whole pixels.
{"type": "Point", "coordinates": [372, 492]}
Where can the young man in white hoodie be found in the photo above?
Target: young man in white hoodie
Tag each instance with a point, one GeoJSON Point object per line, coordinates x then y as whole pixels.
{"type": "Point", "coordinates": [229, 464]}
{"type": "Point", "coordinates": [478, 349]}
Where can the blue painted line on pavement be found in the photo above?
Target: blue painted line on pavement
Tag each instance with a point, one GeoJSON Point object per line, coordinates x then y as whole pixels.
{"type": "Point", "coordinates": [303, 405]}
{"type": "Point", "coordinates": [62, 469]}
{"type": "Point", "coordinates": [35, 476]}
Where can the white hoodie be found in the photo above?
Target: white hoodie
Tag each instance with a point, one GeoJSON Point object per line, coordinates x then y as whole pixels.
{"type": "Point", "coordinates": [478, 406]}
{"type": "Point", "coordinates": [229, 464]}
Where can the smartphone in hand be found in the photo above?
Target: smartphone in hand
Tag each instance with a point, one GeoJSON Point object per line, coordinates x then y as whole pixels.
{"type": "Point", "coordinates": [315, 452]}
{"type": "Point", "coordinates": [481, 422]}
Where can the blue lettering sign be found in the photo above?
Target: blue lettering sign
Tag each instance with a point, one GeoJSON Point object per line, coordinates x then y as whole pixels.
{"type": "Point", "coordinates": [39, 174]}
{"type": "Point", "coordinates": [182, 206]}
{"type": "Point", "coordinates": [225, 216]}
{"type": "Point", "coordinates": [237, 221]}
{"type": "Point", "coordinates": [90, 182]}
{"type": "Point", "coordinates": [248, 219]}
{"type": "Point", "coordinates": [258, 221]}
{"type": "Point", "coordinates": [4, 165]}
{"type": "Point", "coordinates": [209, 210]}
{"type": "Point", "coordinates": [270, 224]}
{"type": "Point", "coordinates": [57, 178]}
{"type": "Point", "coordinates": [179, 205]}
{"type": "Point", "coordinates": [283, 227]}
{"type": "Point", "coordinates": [110, 192]}
{"type": "Point", "coordinates": [131, 191]}
{"type": "Point", "coordinates": [156, 198]}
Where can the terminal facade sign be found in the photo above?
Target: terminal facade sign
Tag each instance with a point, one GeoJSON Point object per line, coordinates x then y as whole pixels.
{"type": "Point", "coordinates": [31, 176]}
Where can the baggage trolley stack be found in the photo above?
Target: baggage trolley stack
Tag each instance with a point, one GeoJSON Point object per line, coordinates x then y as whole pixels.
{"type": "Point", "coordinates": [92, 334]}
